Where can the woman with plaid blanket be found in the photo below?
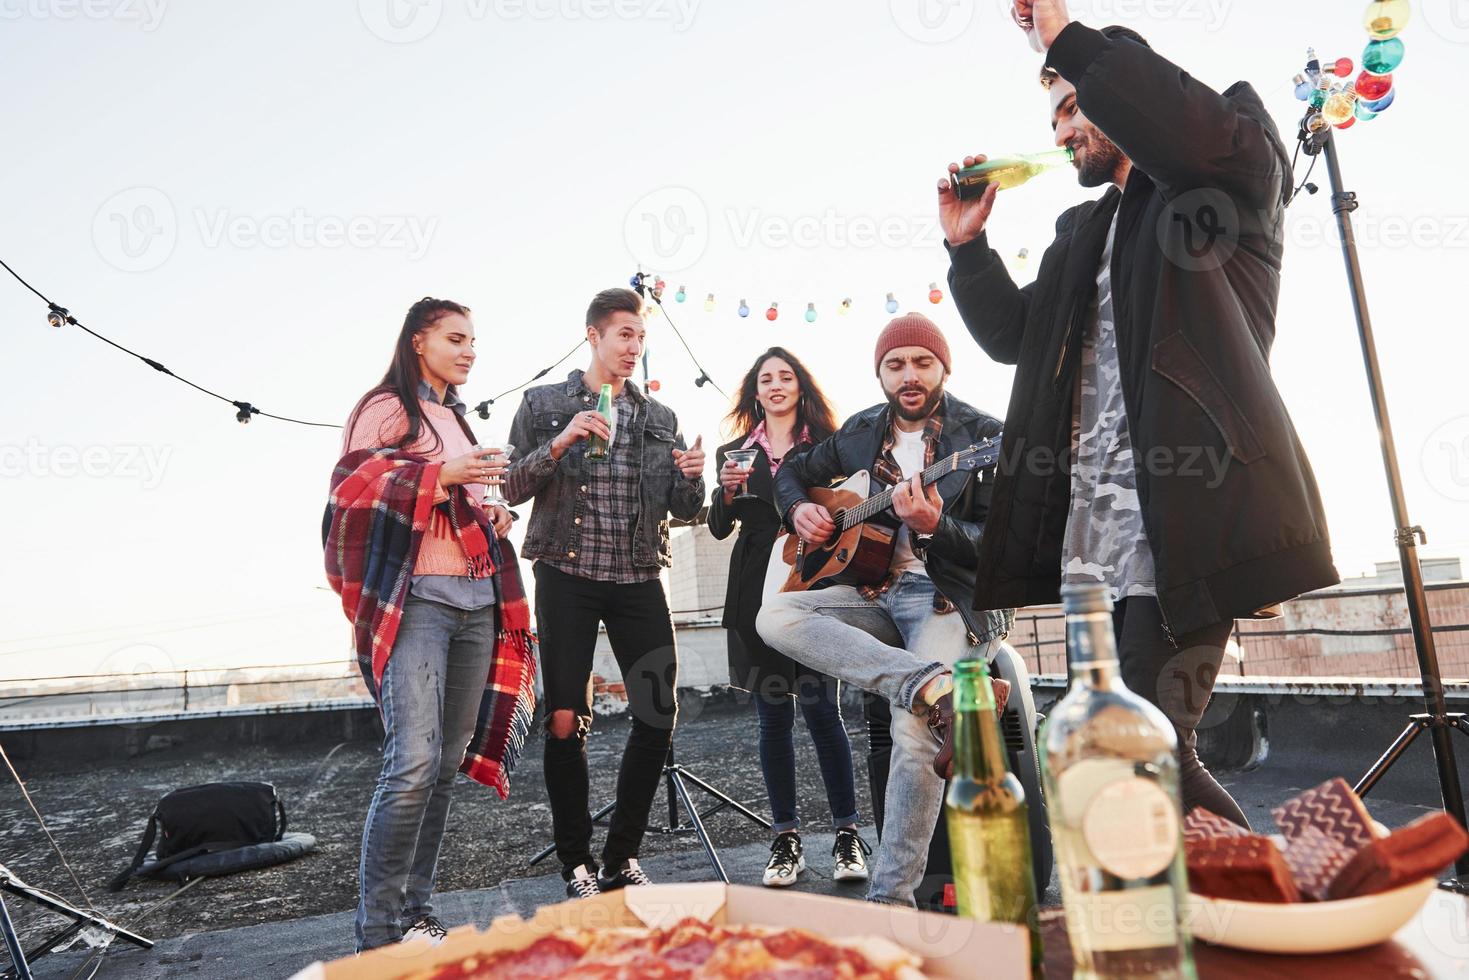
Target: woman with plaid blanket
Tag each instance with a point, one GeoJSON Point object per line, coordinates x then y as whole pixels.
{"type": "Point", "coordinates": [440, 622]}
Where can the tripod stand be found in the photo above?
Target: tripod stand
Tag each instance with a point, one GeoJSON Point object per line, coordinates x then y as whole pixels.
{"type": "Point", "coordinates": [1317, 138]}
{"type": "Point", "coordinates": [20, 958]}
{"type": "Point", "coordinates": [677, 780]}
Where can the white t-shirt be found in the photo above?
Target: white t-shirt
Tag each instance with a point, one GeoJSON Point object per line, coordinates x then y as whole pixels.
{"type": "Point", "coordinates": [908, 452]}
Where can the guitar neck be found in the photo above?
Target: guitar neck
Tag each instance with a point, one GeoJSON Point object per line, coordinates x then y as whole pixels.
{"type": "Point", "coordinates": [872, 506]}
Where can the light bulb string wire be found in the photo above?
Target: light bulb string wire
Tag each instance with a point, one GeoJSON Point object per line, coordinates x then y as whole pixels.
{"type": "Point", "coordinates": [704, 377]}
{"type": "Point", "coordinates": [483, 408]}
{"type": "Point", "coordinates": [244, 408]}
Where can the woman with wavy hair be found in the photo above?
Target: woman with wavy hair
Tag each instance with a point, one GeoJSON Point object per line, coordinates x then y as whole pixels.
{"type": "Point", "coordinates": [440, 623]}
{"type": "Point", "coordinates": [780, 410]}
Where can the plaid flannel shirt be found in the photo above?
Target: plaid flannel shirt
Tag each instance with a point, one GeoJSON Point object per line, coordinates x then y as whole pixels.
{"type": "Point", "coordinates": [887, 473]}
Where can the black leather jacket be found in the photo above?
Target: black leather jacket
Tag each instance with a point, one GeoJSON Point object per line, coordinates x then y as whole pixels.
{"type": "Point", "coordinates": [953, 555]}
{"type": "Point", "coordinates": [554, 530]}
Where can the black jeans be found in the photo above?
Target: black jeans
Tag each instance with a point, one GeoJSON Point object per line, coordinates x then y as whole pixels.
{"type": "Point", "coordinates": [1179, 680]}
{"type": "Point", "coordinates": [819, 698]}
{"type": "Point", "coordinates": [568, 610]}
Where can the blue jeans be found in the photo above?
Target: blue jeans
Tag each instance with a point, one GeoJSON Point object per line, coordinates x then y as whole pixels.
{"type": "Point", "coordinates": [820, 699]}
{"type": "Point", "coordinates": [431, 691]}
{"type": "Point", "coordinates": [891, 646]}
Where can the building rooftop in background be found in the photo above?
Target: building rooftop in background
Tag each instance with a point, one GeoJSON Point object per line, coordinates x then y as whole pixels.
{"type": "Point", "coordinates": [1390, 573]}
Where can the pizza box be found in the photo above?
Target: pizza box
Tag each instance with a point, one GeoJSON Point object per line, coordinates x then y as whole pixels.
{"type": "Point", "coordinates": [950, 945]}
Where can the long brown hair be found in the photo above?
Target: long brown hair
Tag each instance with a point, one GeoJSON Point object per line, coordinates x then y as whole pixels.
{"type": "Point", "coordinates": [403, 376]}
{"type": "Point", "coordinates": [812, 409]}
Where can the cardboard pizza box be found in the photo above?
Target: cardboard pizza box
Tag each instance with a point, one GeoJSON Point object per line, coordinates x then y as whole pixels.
{"type": "Point", "coordinates": [951, 946]}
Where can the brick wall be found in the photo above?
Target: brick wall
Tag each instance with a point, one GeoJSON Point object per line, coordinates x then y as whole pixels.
{"type": "Point", "coordinates": [1335, 633]}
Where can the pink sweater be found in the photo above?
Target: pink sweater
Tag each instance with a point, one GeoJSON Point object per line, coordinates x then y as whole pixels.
{"type": "Point", "coordinates": [382, 422]}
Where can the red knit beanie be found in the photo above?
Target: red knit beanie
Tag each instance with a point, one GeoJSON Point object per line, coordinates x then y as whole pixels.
{"type": "Point", "coordinates": [911, 330]}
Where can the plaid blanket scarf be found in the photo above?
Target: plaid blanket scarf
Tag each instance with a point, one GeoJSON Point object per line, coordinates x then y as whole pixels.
{"type": "Point", "coordinates": [380, 507]}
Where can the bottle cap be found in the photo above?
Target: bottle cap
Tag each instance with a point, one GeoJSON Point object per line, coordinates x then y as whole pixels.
{"type": "Point", "coordinates": [1079, 600]}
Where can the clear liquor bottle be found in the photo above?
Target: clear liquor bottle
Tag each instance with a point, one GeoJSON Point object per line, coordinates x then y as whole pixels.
{"type": "Point", "coordinates": [1110, 766]}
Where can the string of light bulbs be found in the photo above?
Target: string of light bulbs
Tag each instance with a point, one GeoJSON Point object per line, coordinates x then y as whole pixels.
{"type": "Point", "coordinates": [59, 316]}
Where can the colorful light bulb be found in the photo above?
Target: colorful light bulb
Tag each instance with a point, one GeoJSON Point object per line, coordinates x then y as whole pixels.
{"type": "Point", "coordinates": [1303, 87]}
{"type": "Point", "coordinates": [773, 312]}
{"type": "Point", "coordinates": [845, 307]}
{"type": "Point", "coordinates": [935, 294]}
{"type": "Point", "coordinates": [892, 304]}
{"type": "Point", "coordinates": [1317, 98]}
{"type": "Point", "coordinates": [1362, 112]}
{"type": "Point", "coordinates": [1341, 67]}
{"type": "Point", "coordinates": [744, 310]}
{"type": "Point", "coordinates": [810, 312]}
{"type": "Point", "coordinates": [680, 296]}
{"type": "Point", "coordinates": [1377, 105]}
{"type": "Point", "coordinates": [650, 311]}
{"type": "Point", "coordinates": [1382, 57]}
{"type": "Point", "coordinates": [654, 385]}
{"type": "Point", "coordinates": [1339, 107]}
{"type": "Point", "coordinates": [1348, 124]}
{"type": "Point", "coordinates": [1385, 18]}
{"type": "Point", "coordinates": [709, 303]}
{"type": "Point", "coordinates": [1373, 87]}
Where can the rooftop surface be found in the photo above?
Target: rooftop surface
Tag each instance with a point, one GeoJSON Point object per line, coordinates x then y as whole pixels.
{"type": "Point", "coordinates": [270, 923]}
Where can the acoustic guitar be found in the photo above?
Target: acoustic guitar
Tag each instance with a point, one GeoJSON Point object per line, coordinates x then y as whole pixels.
{"type": "Point", "coordinates": [859, 552]}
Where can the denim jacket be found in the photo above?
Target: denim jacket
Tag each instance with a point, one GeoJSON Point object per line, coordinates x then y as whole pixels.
{"type": "Point", "coordinates": [557, 487]}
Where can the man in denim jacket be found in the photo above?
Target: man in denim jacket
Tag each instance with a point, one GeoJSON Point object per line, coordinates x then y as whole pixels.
{"type": "Point", "coordinates": [599, 538]}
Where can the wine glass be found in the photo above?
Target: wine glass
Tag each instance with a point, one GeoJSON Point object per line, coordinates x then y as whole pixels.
{"type": "Point", "coordinates": [493, 496]}
{"type": "Point", "coordinates": [744, 459]}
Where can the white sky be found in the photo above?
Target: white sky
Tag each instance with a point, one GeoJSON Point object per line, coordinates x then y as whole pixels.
{"type": "Point", "coordinates": [180, 174]}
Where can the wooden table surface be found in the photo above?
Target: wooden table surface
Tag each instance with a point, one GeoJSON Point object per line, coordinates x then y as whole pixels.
{"type": "Point", "coordinates": [1435, 944]}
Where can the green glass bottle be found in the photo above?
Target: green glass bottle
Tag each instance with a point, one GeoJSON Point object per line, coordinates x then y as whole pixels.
{"type": "Point", "coordinates": [989, 830]}
{"type": "Point", "coordinates": [597, 447]}
{"type": "Point", "coordinates": [1008, 172]}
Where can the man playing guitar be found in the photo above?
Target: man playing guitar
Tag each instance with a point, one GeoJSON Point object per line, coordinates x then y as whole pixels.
{"type": "Point", "coordinates": [898, 636]}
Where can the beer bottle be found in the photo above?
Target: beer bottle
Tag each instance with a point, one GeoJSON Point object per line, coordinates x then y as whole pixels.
{"type": "Point", "coordinates": [597, 447]}
{"type": "Point", "coordinates": [1008, 172]}
{"type": "Point", "coordinates": [989, 829]}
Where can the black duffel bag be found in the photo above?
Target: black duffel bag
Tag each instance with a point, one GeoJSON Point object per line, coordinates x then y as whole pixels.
{"type": "Point", "coordinates": [205, 819]}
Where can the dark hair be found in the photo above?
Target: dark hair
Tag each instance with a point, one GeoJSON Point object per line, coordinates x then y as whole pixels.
{"type": "Point", "coordinates": [610, 301]}
{"type": "Point", "coordinates": [812, 410]}
{"type": "Point", "coordinates": [1116, 32]}
{"type": "Point", "coordinates": [403, 375]}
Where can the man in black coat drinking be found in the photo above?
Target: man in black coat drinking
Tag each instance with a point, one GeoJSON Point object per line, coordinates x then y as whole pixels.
{"type": "Point", "coordinates": [1146, 446]}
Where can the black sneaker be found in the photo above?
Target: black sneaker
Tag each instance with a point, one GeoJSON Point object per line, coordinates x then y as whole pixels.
{"type": "Point", "coordinates": [786, 861]}
{"type": "Point", "coordinates": [629, 874]}
{"type": "Point", "coordinates": [582, 883]}
{"type": "Point", "coordinates": [849, 850]}
{"type": "Point", "coordinates": [426, 927]}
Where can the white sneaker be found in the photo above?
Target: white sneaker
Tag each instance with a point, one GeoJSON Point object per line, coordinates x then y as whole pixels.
{"type": "Point", "coordinates": [630, 874]}
{"type": "Point", "coordinates": [582, 883]}
{"type": "Point", "coordinates": [426, 927]}
{"type": "Point", "coordinates": [786, 861]}
{"type": "Point", "coordinates": [849, 849]}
